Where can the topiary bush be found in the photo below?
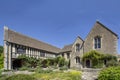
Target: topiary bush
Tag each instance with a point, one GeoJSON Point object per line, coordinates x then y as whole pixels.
{"type": "Point", "coordinates": [111, 73]}
{"type": "Point", "coordinates": [20, 77]}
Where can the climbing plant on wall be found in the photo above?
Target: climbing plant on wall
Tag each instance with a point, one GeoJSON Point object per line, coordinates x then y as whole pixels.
{"type": "Point", "coordinates": [95, 57]}
{"type": "Point", "coordinates": [98, 58]}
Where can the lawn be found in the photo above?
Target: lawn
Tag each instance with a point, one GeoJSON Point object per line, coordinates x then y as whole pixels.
{"type": "Point", "coordinates": [47, 75]}
{"type": "Point", "coordinates": [59, 75]}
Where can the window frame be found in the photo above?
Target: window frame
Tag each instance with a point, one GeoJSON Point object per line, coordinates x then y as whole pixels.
{"type": "Point", "coordinates": [77, 47]}
{"type": "Point", "coordinates": [77, 60]}
{"type": "Point", "coordinates": [42, 54]}
{"type": "Point", "coordinates": [97, 42]}
{"type": "Point", "coordinates": [20, 50]}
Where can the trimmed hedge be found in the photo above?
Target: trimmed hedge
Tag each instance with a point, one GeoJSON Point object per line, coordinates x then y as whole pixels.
{"type": "Point", "coordinates": [111, 73]}
{"type": "Point", "coordinates": [20, 77]}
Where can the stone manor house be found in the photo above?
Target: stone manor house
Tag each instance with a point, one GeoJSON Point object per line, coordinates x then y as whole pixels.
{"type": "Point", "coordinates": [100, 38]}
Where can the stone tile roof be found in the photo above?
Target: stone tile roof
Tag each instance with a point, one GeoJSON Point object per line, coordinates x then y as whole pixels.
{"type": "Point", "coordinates": [107, 29]}
{"type": "Point", "coordinates": [18, 38]}
{"type": "Point", "coordinates": [67, 48]}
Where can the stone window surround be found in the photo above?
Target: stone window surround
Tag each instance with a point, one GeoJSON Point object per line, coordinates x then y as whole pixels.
{"type": "Point", "coordinates": [77, 47]}
{"type": "Point", "coordinates": [98, 36]}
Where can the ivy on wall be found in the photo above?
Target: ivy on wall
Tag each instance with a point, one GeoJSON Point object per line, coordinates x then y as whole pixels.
{"type": "Point", "coordinates": [98, 59]}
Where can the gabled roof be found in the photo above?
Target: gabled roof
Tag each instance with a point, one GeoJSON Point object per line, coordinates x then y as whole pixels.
{"type": "Point", "coordinates": [67, 48]}
{"type": "Point", "coordinates": [18, 38]}
{"type": "Point", "coordinates": [107, 29]}
{"type": "Point", "coordinates": [80, 38]}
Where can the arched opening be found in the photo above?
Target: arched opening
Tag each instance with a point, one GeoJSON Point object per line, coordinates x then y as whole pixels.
{"type": "Point", "coordinates": [87, 63]}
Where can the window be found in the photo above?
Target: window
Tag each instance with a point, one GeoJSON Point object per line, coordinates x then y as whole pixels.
{"type": "Point", "coordinates": [68, 55]}
{"type": "Point", "coordinates": [77, 47]}
{"type": "Point", "coordinates": [62, 54]}
{"type": "Point", "coordinates": [97, 42]}
{"type": "Point", "coordinates": [21, 50]}
{"type": "Point", "coordinates": [42, 54]}
{"type": "Point", "coordinates": [77, 59]}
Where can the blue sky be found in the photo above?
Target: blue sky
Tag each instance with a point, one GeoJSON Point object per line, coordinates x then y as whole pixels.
{"type": "Point", "coordinates": [58, 22]}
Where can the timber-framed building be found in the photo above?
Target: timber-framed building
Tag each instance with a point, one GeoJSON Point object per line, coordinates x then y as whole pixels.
{"type": "Point", "coordinates": [100, 38]}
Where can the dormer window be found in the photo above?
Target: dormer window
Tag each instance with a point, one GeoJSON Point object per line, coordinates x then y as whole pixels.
{"type": "Point", "coordinates": [77, 47]}
{"type": "Point", "coordinates": [97, 42]}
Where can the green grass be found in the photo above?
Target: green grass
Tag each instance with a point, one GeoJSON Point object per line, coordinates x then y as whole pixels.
{"type": "Point", "coordinates": [45, 75]}
{"type": "Point", "coordinates": [59, 75]}
{"type": "Point", "coordinates": [20, 77]}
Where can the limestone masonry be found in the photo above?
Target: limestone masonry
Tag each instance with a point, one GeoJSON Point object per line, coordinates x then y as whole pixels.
{"type": "Point", "coordinates": [100, 38]}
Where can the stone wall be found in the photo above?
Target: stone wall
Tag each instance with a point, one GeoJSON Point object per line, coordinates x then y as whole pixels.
{"type": "Point", "coordinates": [108, 40]}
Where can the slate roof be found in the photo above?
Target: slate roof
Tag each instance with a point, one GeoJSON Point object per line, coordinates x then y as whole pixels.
{"type": "Point", "coordinates": [18, 38]}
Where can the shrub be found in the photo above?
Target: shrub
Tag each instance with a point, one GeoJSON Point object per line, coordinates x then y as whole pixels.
{"type": "Point", "coordinates": [31, 69]}
{"type": "Point", "coordinates": [61, 61]}
{"type": "Point", "coordinates": [0, 73]}
{"type": "Point", "coordinates": [40, 70]}
{"type": "Point", "coordinates": [111, 73]}
{"type": "Point", "coordinates": [63, 68]}
{"type": "Point", "coordinates": [112, 63]}
{"type": "Point", "coordinates": [20, 77]}
{"type": "Point", "coordinates": [28, 61]}
{"type": "Point", "coordinates": [75, 75]}
{"type": "Point", "coordinates": [1, 60]}
{"type": "Point", "coordinates": [23, 68]}
{"type": "Point", "coordinates": [1, 49]}
{"type": "Point", "coordinates": [99, 64]}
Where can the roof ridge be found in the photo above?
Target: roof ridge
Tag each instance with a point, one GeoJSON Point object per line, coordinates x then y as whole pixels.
{"type": "Point", "coordinates": [33, 38]}
{"type": "Point", "coordinates": [16, 37]}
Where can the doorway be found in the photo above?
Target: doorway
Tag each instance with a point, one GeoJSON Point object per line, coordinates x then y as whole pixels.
{"type": "Point", "coordinates": [17, 63]}
{"type": "Point", "coordinates": [88, 63]}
